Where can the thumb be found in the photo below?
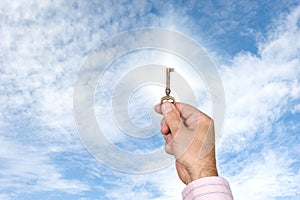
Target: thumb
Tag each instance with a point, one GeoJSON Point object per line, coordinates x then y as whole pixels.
{"type": "Point", "coordinates": [171, 117]}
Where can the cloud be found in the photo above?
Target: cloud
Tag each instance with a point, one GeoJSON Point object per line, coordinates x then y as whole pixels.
{"type": "Point", "coordinates": [269, 177]}
{"type": "Point", "coordinates": [257, 148]}
{"type": "Point", "coordinates": [226, 26]}
{"type": "Point", "coordinates": [163, 184]}
{"type": "Point", "coordinates": [28, 170]}
{"type": "Point", "coordinates": [43, 45]}
{"type": "Point", "coordinates": [261, 88]}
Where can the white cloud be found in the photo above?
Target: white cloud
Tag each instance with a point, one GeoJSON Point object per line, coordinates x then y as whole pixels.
{"type": "Point", "coordinates": [27, 169]}
{"type": "Point", "coordinates": [267, 177]}
{"type": "Point", "coordinates": [4, 197]}
{"type": "Point", "coordinates": [163, 184]}
{"type": "Point", "coordinates": [42, 47]}
{"type": "Point", "coordinates": [296, 108]}
{"type": "Point", "coordinates": [260, 89]}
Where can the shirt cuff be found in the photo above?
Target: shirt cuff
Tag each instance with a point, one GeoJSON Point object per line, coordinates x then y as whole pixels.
{"type": "Point", "coordinates": [208, 188]}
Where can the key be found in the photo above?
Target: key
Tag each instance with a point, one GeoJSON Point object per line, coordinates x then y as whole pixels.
{"type": "Point", "coordinates": [168, 89]}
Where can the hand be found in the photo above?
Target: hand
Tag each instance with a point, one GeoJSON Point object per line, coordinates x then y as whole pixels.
{"type": "Point", "coordinates": [190, 137]}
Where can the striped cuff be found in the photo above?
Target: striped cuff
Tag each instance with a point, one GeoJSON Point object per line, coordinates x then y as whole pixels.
{"type": "Point", "coordinates": [208, 188]}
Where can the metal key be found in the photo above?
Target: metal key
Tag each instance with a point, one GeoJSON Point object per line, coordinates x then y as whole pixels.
{"type": "Point", "coordinates": [168, 90]}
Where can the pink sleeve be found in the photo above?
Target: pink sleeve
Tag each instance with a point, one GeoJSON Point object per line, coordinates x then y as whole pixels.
{"type": "Point", "coordinates": [208, 188]}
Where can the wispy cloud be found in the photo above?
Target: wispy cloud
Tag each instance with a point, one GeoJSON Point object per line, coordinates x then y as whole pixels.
{"type": "Point", "coordinates": [270, 176]}
{"type": "Point", "coordinates": [261, 88]}
{"type": "Point", "coordinates": [258, 137]}
{"type": "Point", "coordinates": [26, 169]}
{"type": "Point", "coordinates": [43, 45]}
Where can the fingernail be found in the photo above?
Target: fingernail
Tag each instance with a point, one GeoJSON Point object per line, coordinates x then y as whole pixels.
{"type": "Point", "coordinates": [166, 108]}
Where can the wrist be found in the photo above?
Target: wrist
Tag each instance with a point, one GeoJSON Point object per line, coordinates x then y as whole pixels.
{"type": "Point", "coordinates": [205, 168]}
{"type": "Point", "coordinates": [203, 173]}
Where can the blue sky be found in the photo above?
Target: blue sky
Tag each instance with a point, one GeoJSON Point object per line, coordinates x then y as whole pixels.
{"type": "Point", "coordinates": [254, 44]}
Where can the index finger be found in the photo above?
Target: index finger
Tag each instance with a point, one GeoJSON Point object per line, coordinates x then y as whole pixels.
{"type": "Point", "coordinates": [157, 109]}
{"type": "Point", "coordinates": [191, 114]}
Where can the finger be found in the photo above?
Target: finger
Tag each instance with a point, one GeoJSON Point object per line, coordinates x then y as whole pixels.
{"type": "Point", "coordinates": [190, 114]}
{"type": "Point", "coordinates": [157, 108]}
{"type": "Point", "coordinates": [162, 122]}
{"type": "Point", "coordinates": [186, 110]}
{"type": "Point", "coordinates": [168, 138]}
{"type": "Point", "coordinates": [164, 128]}
{"type": "Point", "coordinates": [171, 117]}
{"type": "Point", "coordinates": [165, 137]}
{"type": "Point", "coordinates": [168, 146]}
{"type": "Point", "coordinates": [169, 149]}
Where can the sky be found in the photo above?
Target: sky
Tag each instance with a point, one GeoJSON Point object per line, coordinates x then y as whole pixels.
{"type": "Point", "coordinates": [254, 45]}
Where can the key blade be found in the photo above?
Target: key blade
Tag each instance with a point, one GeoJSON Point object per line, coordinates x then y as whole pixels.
{"type": "Point", "coordinates": [168, 71]}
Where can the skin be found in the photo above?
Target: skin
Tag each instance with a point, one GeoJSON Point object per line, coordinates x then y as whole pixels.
{"type": "Point", "coordinates": [189, 136]}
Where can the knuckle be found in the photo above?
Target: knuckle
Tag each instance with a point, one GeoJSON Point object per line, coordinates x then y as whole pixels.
{"type": "Point", "coordinates": [168, 149]}
{"type": "Point", "coordinates": [173, 120]}
{"type": "Point", "coordinates": [208, 121]}
{"type": "Point", "coordinates": [176, 126]}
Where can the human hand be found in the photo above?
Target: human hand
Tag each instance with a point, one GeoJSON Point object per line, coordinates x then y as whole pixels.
{"type": "Point", "coordinates": [189, 136]}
